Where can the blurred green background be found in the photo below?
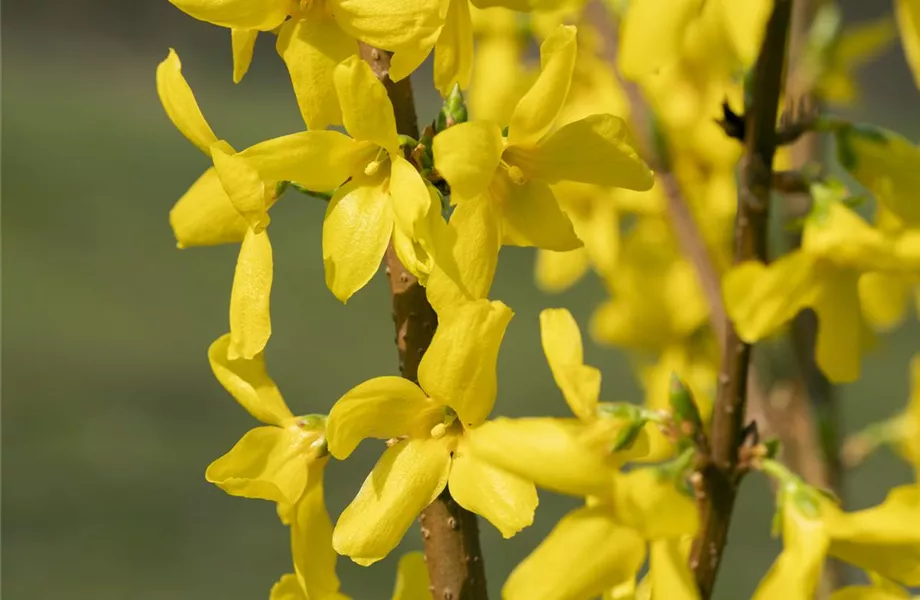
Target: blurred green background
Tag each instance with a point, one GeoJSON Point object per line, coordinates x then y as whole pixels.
{"type": "Point", "coordinates": [110, 413]}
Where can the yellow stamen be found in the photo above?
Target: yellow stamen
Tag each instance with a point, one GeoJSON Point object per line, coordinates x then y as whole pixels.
{"type": "Point", "coordinates": [438, 431]}
{"type": "Point", "coordinates": [516, 175]}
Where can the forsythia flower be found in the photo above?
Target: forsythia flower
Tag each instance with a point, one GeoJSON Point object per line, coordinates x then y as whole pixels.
{"type": "Point", "coordinates": [282, 462]}
{"type": "Point", "coordinates": [837, 248]}
{"type": "Point", "coordinates": [412, 583]}
{"type": "Point", "coordinates": [603, 544]}
{"type": "Point", "coordinates": [501, 184]}
{"type": "Point", "coordinates": [885, 297]}
{"type": "Point", "coordinates": [429, 425]}
{"type": "Point", "coordinates": [856, 46]}
{"type": "Point", "coordinates": [499, 78]}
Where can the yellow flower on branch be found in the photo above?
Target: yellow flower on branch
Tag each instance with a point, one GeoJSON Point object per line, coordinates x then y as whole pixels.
{"type": "Point", "coordinates": [838, 247]}
{"type": "Point", "coordinates": [501, 184]}
{"type": "Point", "coordinates": [282, 461]}
{"type": "Point", "coordinates": [428, 427]}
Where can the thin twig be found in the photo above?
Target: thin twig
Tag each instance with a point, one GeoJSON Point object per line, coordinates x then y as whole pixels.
{"type": "Point", "coordinates": [450, 534]}
{"type": "Point", "coordinates": [721, 475]}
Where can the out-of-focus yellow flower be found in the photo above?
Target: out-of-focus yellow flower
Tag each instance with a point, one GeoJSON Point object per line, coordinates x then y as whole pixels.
{"type": "Point", "coordinates": [837, 248]}
{"type": "Point", "coordinates": [887, 164]}
{"type": "Point", "coordinates": [282, 461]}
{"type": "Point", "coordinates": [886, 297]}
{"type": "Point", "coordinates": [501, 184]}
{"type": "Point", "coordinates": [429, 425]}
{"type": "Point", "coordinates": [500, 76]}
{"type": "Point", "coordinates": [880, 589]}
{"type": "Point", "coordinates": [907, 13]}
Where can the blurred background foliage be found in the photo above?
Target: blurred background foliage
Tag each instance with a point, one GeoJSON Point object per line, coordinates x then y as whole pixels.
{"type": "Point", "coordinates": [110, 412]}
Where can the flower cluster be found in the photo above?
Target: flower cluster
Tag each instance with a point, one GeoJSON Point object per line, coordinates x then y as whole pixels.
{"type": "Point", "coordinates": [550, 160]}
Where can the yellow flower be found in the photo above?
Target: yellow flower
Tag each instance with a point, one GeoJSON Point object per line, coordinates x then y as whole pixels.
{"type": "Point", "coordinates": [857, 45]}
{"type": "Point", "coordinates": [908, 16]}
{"type": "Point", "coordinates": [837, 248]}
{"type": "Point", "coordinates": [500, 77]}
{"type": "Point", "coordinates": [230, 201]}
{"type": "Point", "coordinates": [282, 462]}
{"type": "Point", "coordinates": [501, 184]}
{"type": "Point", "coordinates": [412, 583]}
{"type": "Point", "coordinates": [577, 456]}
{"type": "Point", "coordinates": [428, 427]}
{"type": "Point", "coordinates": [887, 164]}
{"type": "Point", "coordinates": [885, 297]}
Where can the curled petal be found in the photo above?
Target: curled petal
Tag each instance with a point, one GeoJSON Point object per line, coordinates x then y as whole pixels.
{"type": "Point", "coordinates": [410, 197]}
{"type": "Point", "coordinates": [586, 554]}
{"type": "Point", "coordinates": [269, 463]}
{"type": "Point", "coordinates": [204, 215]}
{"type": "Point", "coordinates": [535, 113]}
{"type": "Point", "coordinates": [318, 160]}
{"type": "Point", "coordinates": [249, 383]}
{"type": "Point", "coordinates": [842, 334]}
{"type": "Point", "coordinates": [243, 42]}
{"type": "Point", "coordinates": [366, 108]}
{"type": "Point", "coordinates": [406, 479]}
{"type": "Point", "coordinates": [505, 500]}
{"type": "Point", "coordinates": [383, 408]}
{"type": "Point", "coordinates": [453, 52]}
{"type": "Point", "coordinates": [591, 150]}
{"type": "Point", "coordinates": [246, 189]}
{"type": "Point", "coordinates": [459, 368]}
{"type": "Point", "coordinates": [532, 217]}
{"type": "Point", "coordinates": [180, 105]}
{"type": "Point", "coordinates": [311, 48]}
{"type": "Point", "coordinates": [552, 453]}
{"type": "Point", "coordinates": [797, 571]}
{"type": "Point", "coordinates": [356, 231]}
{"type": "Point", "coordinates": [311, 538]}
{"type": "Point", "coordinates": [250, 298]}
{"type": "Point", "coordinates": [580, 383]}
{"type": "Point", "coordinates": [287, 588]}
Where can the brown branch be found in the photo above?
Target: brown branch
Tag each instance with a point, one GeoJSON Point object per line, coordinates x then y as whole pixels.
{"type": "Point", "coordinates": [450, 533]}
{"type": "Point", "coordinates": [720, 473]}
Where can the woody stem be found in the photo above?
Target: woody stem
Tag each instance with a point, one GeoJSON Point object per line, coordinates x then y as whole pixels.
{"type": "Point", "coordinates": [449, 532]}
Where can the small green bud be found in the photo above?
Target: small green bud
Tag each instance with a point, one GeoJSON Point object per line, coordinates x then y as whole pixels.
{"type": "Point", "coordinates": [627, 435]}
{"type": "Point", "coordinates": [684, 408]}
{"type": "Point", "coordinates": [772, 446]}
{"type": "Point", "coordinates": [453, 110]}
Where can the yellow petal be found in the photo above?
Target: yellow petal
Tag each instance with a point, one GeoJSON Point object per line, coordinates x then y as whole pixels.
{"type": "Point", "coordinates": [869, 592]}
{"type": "Point", "coordinates": [243, 42]}
{"type": "Point", "coordinates": [356, 231]}
{"type": "Point", "coordinates": [250, 316]}
{"type": "Point", "coordinates": [883, 539]}
{"type": "Point", "coordinates": [204, 215]}
{"type": "Point", "coordinates": [311, 47]}
{"type": "Point", "coordinates": [249, 383]}
{"type": "Point", "coordinates": [797, 570]}
{"type": "Point", "coordinates": [318, 160]}
{"type": "Point", "coordinates": [406, 479]}
{"type": "Point", "coordinates": [651, 503]}
{"type": "Point", "coordinates": [179, 102]}
{"type": "Point", "coordinates": [587, 553]}
{"type": "Point", "coordinates": [556, 272]}
{"type": "Point", "coordinates": [467, 155]}
{"type": "Point", "coordinates": [908, 16]}
{"type": "Point", "coordinates": [407, 59]}
{"type": "Point", "coordinates": [269, 463]}
{"type": "Point", "coordinates": [412, 582]}
{"type": "Point", "coordinates": [263, 15]}
{"type": "Point", "coordinates": [410, 197]}
{"type": "Point", "coordinates": [552, 453]}
{"type": "Point", "coordinates": [591, 150]}
{"type": "Point", "coordinates": [840, 326]}
{"type": "Point", "coordinates": [245, 187]}
{"type": "Point", "coordinates": [505, 500]}
{"type": "Point", "coordinates": [287, 588]}
{"type": "Point", "coordinates": [535, 113]}
{"type": "Point", "coordinates": [745, 24]}
{"type": "Point", "coordinates": [580, 383]}
{"type": "Point", "coordinates": [669, 574]}
{"type": "Point", "coordinates": [887, 164]}
{"type": "Point", "coordinates": [760, 299]}
{"type": "Point", "coordinates": [366, 109]}
{"type": "Point", "coordinates": [391, 25]}
{"type": "Point", "coordinates": [453, 52]}
{"type": "Point", "coordinates": [459, 368]}
{"type": "Point", "coordinates": [532, 217]}
{"type": "Point", "coordinates": [383, 408]}
{"type": "Point", "coordinates": [499, 78]}
{"type": "Point", "coordinates": [311, 538]}
{"type": "Point", "coordinates": [652, 34]}
{"type": "Point", "coordinates": [475, 224]}
{"type": "Point", "coordinates": [843, 238]}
